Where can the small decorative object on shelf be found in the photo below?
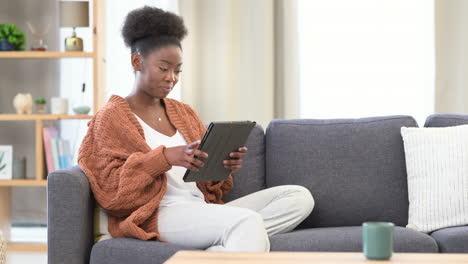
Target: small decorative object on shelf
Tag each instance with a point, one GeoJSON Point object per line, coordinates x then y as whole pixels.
{"type": "Point", "coordinates": [6, 156]}
{"type": "Point", "coordinates": [23, 103]}
{"type": "Point", "coordinates": [41, 105]}
{"type": "Point", "coordinates": [59, 106]}
{"type": "Point", "coordinates": [39, 36]}
{"type": "Point", "coordinates": [19, 168]}
{"type": "Point", "coordinates": [74, 14]}
{"type": "Point", "coordinates": [11, 38]}
{"type": "Point", "coordinates": [80, 108]}
{"type": "Point", "coordinates": [2, 249]}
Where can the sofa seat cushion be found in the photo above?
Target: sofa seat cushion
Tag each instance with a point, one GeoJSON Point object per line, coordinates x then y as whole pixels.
{"type": "Point", "coordinates": [348, 239]}
{"type": "Point", "coordinates": [452, 239]}
{"type": "Point", "coordinates": [127, 250]}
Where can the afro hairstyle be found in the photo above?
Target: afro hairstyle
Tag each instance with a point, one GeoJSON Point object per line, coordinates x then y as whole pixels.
{"type": "Point", "coordinates": [148, 28]}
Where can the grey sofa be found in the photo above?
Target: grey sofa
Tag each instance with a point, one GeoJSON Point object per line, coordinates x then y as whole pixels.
{"type": "Point", "coordinates": [355, 169]}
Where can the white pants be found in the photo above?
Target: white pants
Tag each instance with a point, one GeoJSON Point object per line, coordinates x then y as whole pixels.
{"type": "Point", "coordinates": [240, 225]}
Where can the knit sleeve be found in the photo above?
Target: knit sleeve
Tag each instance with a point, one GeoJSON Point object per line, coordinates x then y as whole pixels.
{"type": "Point", "coordinates": [124, 172]}
{"type": "Point", "coordinates": [219, 188]}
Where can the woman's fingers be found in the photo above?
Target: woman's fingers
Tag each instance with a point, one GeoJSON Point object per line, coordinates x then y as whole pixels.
{"type": "Point", "coordinates": [192, 147]}
{"type": "Point", "coordinates": [190, 166]}
{"type": "Point", "coordinates": [196, 162]}
{"type": "Point", "coordinates": [236, 155]}
{"type": "Point", "coordinates": [243, 149]}
{"type": "Point", "coordinates": [233, 169]}
{"type": "Point", "coordinates": [200, 153]}
{"type": "Point", "coordinates": [239, 154]}
{"type": "Point", "coordinates": [232, 162]}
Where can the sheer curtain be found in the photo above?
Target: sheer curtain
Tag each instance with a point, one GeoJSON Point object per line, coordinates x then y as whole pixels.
{"type": "Point", "coordinates": [366, 58]}
{"type": "Point", "coordinates": [240, 59]}
{"type": "Point", "coordinates": [451, 56]}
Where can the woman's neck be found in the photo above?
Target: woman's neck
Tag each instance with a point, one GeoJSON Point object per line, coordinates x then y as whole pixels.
{"type": "Point", "coordinates": [141, 100]}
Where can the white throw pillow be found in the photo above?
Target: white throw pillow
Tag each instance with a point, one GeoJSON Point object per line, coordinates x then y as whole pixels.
{"type": "Point", "coordinates": [437, 167]}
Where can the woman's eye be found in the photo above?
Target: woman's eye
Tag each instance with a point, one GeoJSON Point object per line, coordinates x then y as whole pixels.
{"type": "Point", "coordinates": [163, 69]}
{"type": "Point", "coordinates": [178, 71]}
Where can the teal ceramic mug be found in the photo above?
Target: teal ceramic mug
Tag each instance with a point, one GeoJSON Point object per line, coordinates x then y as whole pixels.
{"type": "Point", "coordinates": [377, 240]}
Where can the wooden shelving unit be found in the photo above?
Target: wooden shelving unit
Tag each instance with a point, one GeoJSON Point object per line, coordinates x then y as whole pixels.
{"type": "Point", "coordinates": [44, 55]}
{"type": "Point", "coordinates": [23, 183]}
{"type": "Point", "coordinates": [35, 117]}
{"type": "Point", "coordinates": [39, 180]}
{"type": "Point", "coordinates": [26, 247]}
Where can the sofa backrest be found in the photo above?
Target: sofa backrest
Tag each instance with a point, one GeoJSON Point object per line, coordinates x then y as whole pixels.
{"type": "Point", "coordinates": [251, 178]}
{"type": "Point", "coordinates": [354, 168]}
{"type": "Point", "coordinates": [446, 120]}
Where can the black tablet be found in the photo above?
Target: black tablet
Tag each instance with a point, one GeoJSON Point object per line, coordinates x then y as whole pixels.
{"type": "Point", "coordinates": [220, 139]}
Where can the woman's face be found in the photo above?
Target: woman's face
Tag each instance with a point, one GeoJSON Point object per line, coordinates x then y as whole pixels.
{"type": "Point", "coordinates": [159, 71]}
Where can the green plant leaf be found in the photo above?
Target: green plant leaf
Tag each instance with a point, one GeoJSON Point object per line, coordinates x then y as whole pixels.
{"type": "Point", "coordinates": [13, 35]}
{"type": "Point", "coordinates": [2, 154]}
{"type": "Point", "coordinates": [2, 167]}
{"type": "Point", "coordinates": [40, 100]}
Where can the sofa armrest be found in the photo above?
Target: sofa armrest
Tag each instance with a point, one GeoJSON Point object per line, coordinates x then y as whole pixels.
{"type": "Point", "coordinates": [70, 211]}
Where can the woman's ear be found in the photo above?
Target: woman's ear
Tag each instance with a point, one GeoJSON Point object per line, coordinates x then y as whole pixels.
{"type": "Point", "coordinates": [137, 62]}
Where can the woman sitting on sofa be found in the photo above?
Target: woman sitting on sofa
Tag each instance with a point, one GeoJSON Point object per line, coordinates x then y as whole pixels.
{"type": "Point", "coordinates": [137, 149]}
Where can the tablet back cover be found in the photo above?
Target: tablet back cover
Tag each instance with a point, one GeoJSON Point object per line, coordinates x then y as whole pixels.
{"type": "Point", "coordinates": [220, 139]}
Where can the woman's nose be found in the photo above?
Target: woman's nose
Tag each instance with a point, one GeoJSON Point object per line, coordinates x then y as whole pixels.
{"type": "Point", "coordinates": [170, 76]}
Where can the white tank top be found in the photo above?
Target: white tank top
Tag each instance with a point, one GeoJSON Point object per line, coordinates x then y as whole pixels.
{"type": "Point", "coordinates": [177, 191]}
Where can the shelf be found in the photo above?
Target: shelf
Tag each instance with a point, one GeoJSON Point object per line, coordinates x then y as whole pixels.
{"type": "Point", "coordinates": [16, 117]}
{"type": "Point", "coordinates": [23, 182]}
{"type": "Point", "coordinates": [41, 247]}
{"type": "Point", "coordinates": [44, 54]}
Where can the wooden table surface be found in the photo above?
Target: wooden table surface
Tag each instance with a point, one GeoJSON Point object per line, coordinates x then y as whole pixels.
{"type": "Point", "coordinates": [204, 257]}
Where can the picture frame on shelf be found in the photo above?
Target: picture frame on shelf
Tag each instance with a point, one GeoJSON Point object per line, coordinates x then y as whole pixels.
{"type": "Point", "coordinates": [6, 162]}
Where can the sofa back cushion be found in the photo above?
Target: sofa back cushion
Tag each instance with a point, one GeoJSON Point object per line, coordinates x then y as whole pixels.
{"type": "Point", "coordinates": [251, 177]}
{"type": "Point", "coordinates": [354, 168]}
{"type": "Point", "coordinates": [446, 120]}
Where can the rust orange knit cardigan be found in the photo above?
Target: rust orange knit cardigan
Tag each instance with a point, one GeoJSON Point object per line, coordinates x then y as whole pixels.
{"type": "Point", "coordinates": [127, 177]}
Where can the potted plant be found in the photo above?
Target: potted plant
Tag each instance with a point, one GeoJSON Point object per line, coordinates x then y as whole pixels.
{"type": "Point", "coordinates": [41, 105]}
{"type": "Point", "coordinates": [11, 38]}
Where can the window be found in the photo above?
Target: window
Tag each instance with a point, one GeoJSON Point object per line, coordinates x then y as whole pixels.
{"type": "Point", "coordinates": [366, 58]}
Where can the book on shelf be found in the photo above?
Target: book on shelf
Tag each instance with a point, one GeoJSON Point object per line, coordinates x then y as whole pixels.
{"type": "Point", "coordinates": [48, 134]}
{"type": "Point", "coordinates": [57, 150]}
{"type": "Point", "coordinates": [55, 156]}
{"type": "Point", "coordinates": [63, 153]}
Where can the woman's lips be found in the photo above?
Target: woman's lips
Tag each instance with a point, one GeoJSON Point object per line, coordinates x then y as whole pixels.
{"type": "Point", "coordinates": [166, 89]}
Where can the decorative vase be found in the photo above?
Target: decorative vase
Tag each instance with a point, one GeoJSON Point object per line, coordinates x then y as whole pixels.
{"type": "Point", "coordinates": [39, 45]}
{"type": "Point", "coordinates": [19, 168]}
{"type": "Point", "coordinates": [41, 108]}
{"type": "Point", "coordinates": [2, 249]}
{"type": "Point", "coordinates": [82, 110]}
{"type": "Point", "coordinates": [59, 106]}
{"type": "Point", "coordinates": [6, 46]}
{"type": "Point", "coordinates": [23, 103]}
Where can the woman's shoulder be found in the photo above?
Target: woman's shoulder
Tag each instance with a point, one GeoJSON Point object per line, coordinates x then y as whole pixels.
{"type": "Point", "coordinates": [173, 103]}
{"type": "Point", "coordinates": [115, 105]}
{"type": "Point", "coordinates": [116, 110]}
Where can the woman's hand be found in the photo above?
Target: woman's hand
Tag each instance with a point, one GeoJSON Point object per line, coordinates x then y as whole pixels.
{"type": "Point", "coordinates": [184, 156]}
{"type": "Point", "coordinates": [235, 163]}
